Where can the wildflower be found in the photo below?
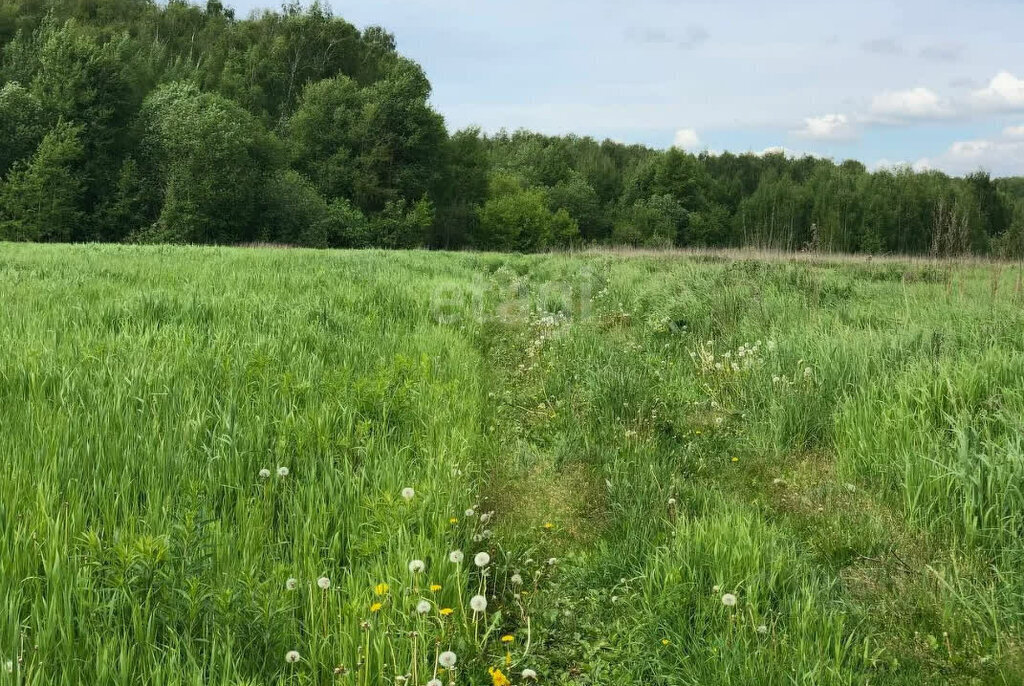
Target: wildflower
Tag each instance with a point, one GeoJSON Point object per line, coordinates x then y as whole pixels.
{"type": "Point", "coordinates": [715, 588]}
{"type": "Point", "coordinates": [323, 582]}
{"type": "Point", "coordinates": [408, 493]}
{"type": "Point", "coordinates": [381, 589]}
{"type": "Point", "coordinates": [455, 556]}
{"type": "Point", "coordinates": [376, 607]}
{"type": "Point", "coordinates": [516, 579]}
{"type": "Point", "coordinates": [735, 459]}
{"type": "Point", "coordinates": [453, 520]}
{"type": "Point", "coordinates": [435, 682]}
{"type": "Point", "coordinates": [264, 473]}
{"type": "Point", "coordinates": [292, 656]}
{"type": "Point", "coordinates": [434, 588]}
{"type": "Point", "coordinates": [423, 607]}
{"type": "Point", "coordinates": [282, 472]}
{"type": "Point", "coordinates": [671, 502]}
{"type": "Point", "coordinates": [445, 611]}
{"type": "Point", "coordinates": [529, 674]}
{"type": "Point", "coordinates": [469, 512]}
{"type": "Point", "coordinates": [665, 641]}
{"type": "Point", "coordinates": [478, 603]}
{"type": "Point", "coordinates": [851, 488]}
{"type": "Point", "coordinates": [477, 538]}
{"type": "Point", "coordinates": [417, 566]}
{"type": "Point", "coordinates": [777, 481]}
{"type": "Point", "coordinates": [485, 517]}
{"type": "Point", "coordinates": [807, 372]}
{"type": "Point", "coordinates": [729, 600]}
{"type": "Point", "coordinates": [482, 559]}
{"type": "Point", "coordinates": [291, 584]}
{"type": "Point", "coordinates": [552, 561]}
{"type": "Point", "coordinates": [447, 659]}
{"type": "Point", "coordinates": [549, 525]}
{"type": "Point", "coordinates": [497, 678]}
{"type": "Point", "coordinates": [9, 666]}
{"type": "Point", "coordinates": [762, 629]}
{"type": "Point", "coordinates": [508, 638]}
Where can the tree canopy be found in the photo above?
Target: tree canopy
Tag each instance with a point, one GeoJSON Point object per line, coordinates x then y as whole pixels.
{"type": "Point", "coordinates": [129, 120]}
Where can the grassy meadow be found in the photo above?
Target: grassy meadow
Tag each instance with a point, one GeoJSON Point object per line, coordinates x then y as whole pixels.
{"type": "Point", "coordinates": [683, 469]}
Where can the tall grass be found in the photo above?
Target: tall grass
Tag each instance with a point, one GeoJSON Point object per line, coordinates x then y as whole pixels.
{"type": "Point", "coordinates": [835, 445]}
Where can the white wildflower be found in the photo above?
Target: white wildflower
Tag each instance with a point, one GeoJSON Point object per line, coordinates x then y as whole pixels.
{"type": "Point", "coordinates": [292, 656]}
{"type": "Point", "coordinates": [423, 607]}
{"type": "Point", "coordinates": [408, 493]}
{"type": "Point", "coordinates": [264, 473]}
{"type": "Point", "coordinates": [729, 600]}
{"type": "Point", "coordinates": [417, 566]}
{"type": "Point", "coordinates": [446, 659]}
{"type": "Point", "coordinates": [516, 579]}
{"type": "Point", "coordinates": [323, 582]}
{"type": "Point", "coordinates": [455, 556]}
{"type": "Point", "coordinates": [478, 603]}
{"type": "Point", "coordinates": [482, 559]}
{"type": "Point", "coordinates": [282, 472]}
{"type": "Point", "coordinates": [291, 584]}
{"type": "Point", "coordinates": [529, 674]}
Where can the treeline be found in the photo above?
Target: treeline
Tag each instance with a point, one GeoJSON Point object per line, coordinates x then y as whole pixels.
{"type": "Point", "coordinates": [125, 120]}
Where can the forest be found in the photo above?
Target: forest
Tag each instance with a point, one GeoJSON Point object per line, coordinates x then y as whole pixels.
{"type": "Point", "coordinates": [132, 121]}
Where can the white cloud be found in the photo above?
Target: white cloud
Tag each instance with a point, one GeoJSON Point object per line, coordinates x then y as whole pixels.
{"type": "Point", "coordinates": [686, 139]}
{"type": "Point", "coordinates": [1004, 91]}
{"type": "Point", "coordinates": [916, 103]}
{"type": "Point", "coordinates": [827, 127]}
{"type": "Point", "coordinates": [1014, 131]}
{"type": "Point", "coordinates": [1003, 156]}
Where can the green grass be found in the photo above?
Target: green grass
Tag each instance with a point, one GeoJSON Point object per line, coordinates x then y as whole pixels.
{"type": "Point", "coordinates": [856, 481]}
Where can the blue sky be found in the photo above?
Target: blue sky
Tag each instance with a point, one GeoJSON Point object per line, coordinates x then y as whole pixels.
{"type": "Point", "coordinates": [933, 84]}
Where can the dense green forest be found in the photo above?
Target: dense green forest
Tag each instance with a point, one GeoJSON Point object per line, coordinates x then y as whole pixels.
{"type": "Point", "coordinates": [125, 120]}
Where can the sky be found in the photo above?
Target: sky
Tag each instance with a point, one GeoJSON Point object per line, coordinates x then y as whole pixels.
{"type": "Point", "coordinates": [936, 84]}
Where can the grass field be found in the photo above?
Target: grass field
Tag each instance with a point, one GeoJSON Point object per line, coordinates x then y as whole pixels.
{"type": "Point", "coordinates": [683, 469]}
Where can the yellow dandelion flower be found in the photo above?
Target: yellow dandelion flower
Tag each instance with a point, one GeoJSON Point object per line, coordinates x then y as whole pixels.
{"type": "Point", "coordinates": [697, 432]}
{"type": "Point", "coordinates": [381, 589]}
{"type": "Point", "coordinates": [508, 638]}
{"type": "Point", "coordinates": [735, 459]}
{"type": "Point", "coordinates": [434, 588]}
{"type": "Point", "coordinates": [549, 525]}
{"type": "Point", "coordinates": [453, 520]}
{"type": "Point", "coordinates": [376, 607]}
{"type": "Point", "coordinates": [665, 641]}
{"type": "Point", "coordinates": [497, 678]}
{"type": "Point", "coordinates": [445, 611]}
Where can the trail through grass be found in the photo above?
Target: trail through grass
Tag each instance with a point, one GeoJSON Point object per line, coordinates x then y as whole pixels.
{"type": "Point", "coordinates": [682, 470]}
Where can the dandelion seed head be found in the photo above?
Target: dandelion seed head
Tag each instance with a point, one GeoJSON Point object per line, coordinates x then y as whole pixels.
{"type": "Point", "coordinates": [482, 559]}
{"type": "Point", "coordinates": [291, 584]}
{"type": "Point", "coordinates": [323, 582]}
{"type": "Point", "coordinates": [729, 600]}
{"type": "Point", "coordinates": [447, 659]}
{"type": "Point", "coordinates": [478, 603]}
{"type": "Point", "coordinates": [529, 674]}
{"type": "Point", "coordinates": [408, 493]}
{"type": "Point", "coordinates": [264, 473]}
{"type": "Point", "coordinates": [292, 656]}
{"type": "Point", "coordinates": [417, 566]}
{"type": "Point", "coordinates": [423, 607]}
{"type": "Point", "coordinates": [516, 579]}
{"type": "Point", "coordinates": [282, 472]}
{"type": "Point", "coordinates": [435, 682]}
{"type": "Point", "coordinates": [552, 561]}
{"type": "Point", "coordinates": [762, 629]}
{"type": "Point", "coordinates": [485, 517]}
{"type": "Point", "coordinates": [469, 512]}
{"type": "Point", "coordinates": [455, 556]}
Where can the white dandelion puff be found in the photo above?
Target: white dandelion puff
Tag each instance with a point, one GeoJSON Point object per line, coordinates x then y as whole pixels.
{"type": "Point", "coordinates": [671, 502]}
{"type": "Point", "coordinates": [485, 517]}
{"type": "Point", "coordinates": [552, 561]}
{"type": "Point", "coordinates": [264, 473]}
{"type": "Point", "coordinates": [455, 557]}
{"type": "Point", "coordinates": [447, 659]}
{"type": "Point", "coordinates": [482, 559]}
{"type": "Point", "coordinates": [9, 666]}
{"type": "Point", "coordinates": [435, 682]}
{"type": "Point", "coordinates": [282, 472]}
{"type": "Point", "coordinates": [478, 603]}
{"type": "Point", "coordinates": [763, 629]}
{"type": "Point", "coordinates": [323, 582]}
{"type": "Point", "coordinates": [516, 579]}
{"type": "Point", "coordinates": [529, 674]}
{"type": "Point", "coordinates": [417, 566]}
{"type": "Point", "coordinates": [291, 584]}
{"type": "Point", "coordinates": [729, 600]}
{"type": "Point", "coordinates": [423, 607]}
{"type": "Point", "coordinates": [408, 493]}
{"type": "Point", "coordinates": [716, 588]}
{"type": "Point", "coordinates": [292, 656]}
{"type": "Point", "coordinates": [470, 512]}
